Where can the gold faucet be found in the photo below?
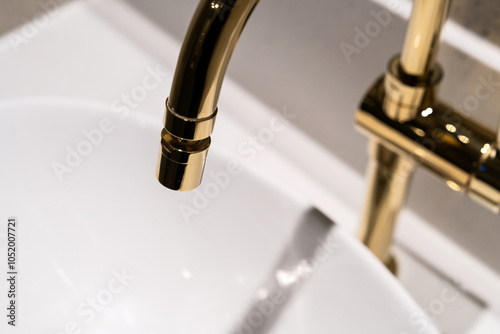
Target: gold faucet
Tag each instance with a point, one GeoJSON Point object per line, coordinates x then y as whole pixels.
{"type": "Point", "coordinates": [408, 126]}
{"type": "Point", "coordinates": [191, 107]}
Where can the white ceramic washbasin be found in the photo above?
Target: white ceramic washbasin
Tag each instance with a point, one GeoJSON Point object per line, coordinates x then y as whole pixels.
{"type": "Point", "coordinates": [107, 251]}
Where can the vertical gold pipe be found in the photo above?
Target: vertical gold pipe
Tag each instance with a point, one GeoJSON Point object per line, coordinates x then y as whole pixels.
{"type": "Point", "coordinates": [422, 37]}
{"type": "Point", "coordinates": [389, 179]}
{"type": "Point", "coordinates": [390, 173]}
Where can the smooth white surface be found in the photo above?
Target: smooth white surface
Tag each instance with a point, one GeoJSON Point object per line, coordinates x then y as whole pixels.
{"type": "Point", "coordinates": [487, 324]}
{"type": "Point", "coordinates": [110, 215]}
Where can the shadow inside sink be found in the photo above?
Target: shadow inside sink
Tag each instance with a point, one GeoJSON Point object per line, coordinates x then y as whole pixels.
{"type": "Point", "coordinates": [305, 250]}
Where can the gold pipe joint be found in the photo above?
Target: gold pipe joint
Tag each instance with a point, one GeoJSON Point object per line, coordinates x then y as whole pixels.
{"type": "Point", "coordinates": [405, 94]}
{"type": "Point", "coordinates": [188, 128]}
{"type": "Point", "coordinates": [183, 150]}
{"type": "Point", "coordinates": [181, 162]}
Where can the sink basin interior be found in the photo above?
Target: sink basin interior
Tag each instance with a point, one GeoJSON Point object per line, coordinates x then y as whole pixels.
{"type": "Point", "coordinates": [104, 245]}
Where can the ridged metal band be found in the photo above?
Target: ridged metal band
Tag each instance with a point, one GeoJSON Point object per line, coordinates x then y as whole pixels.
{"type": "Point", "coordinates": [188, 128]}
{"type": "Point", "coordinates": [181, 163]}
{"type": "Point", "coordinates": [405, 94]}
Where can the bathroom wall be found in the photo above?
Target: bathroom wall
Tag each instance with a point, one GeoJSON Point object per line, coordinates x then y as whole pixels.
{"type": "Point", "coordinates": [15, 13]}
{"type": "Point", "coordinates": [289, 56]}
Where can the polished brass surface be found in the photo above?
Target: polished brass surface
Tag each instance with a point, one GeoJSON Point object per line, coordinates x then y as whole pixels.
{"type": "Point", "coordinates": [388, 179]}
{"type": "Point", "coordinates": [485, 183]}
{"type": "Point", "coordinates": [191, 108]}
{"type": "Point", "coordinates": [405, 94]}
{"type": "Point", "coordinates": [440, 138]}
{"type": "Point", "coordinates": [408, 124]}
{"type": "Point", "coordinates": [205, 54]}
{"type": "Point", "coordinates": [457, 149]}
{"type": "Point", "coordinates": [181, 162]}
{"type": "Point", "coordinates": [422, 36]}
{"type": "Point", "coordinates": [188, 128]}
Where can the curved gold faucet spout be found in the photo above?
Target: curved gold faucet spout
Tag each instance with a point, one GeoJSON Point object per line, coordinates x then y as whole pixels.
{"type": "Point", "coordinates": [191, 108]}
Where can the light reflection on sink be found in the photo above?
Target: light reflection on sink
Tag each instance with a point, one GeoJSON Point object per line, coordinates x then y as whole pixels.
{"type": "Point", "coordinates": [107, 250]}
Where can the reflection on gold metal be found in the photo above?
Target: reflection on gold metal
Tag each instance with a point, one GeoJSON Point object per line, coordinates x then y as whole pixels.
{"type": "Point", "coordinates": [453, 186]}
{"type": "Point", "coordinates": [427, 112]}
{"type": "Point", "coordinates": [422, 36]}
{"type": "Point", "coordinates": [403, 116]}
{"type": "Point", "coordinates": [485, 184]}
{"type": "Point", "coordinates": [485, 148]}
{"type": "Point", "coordinates": [389, 179]}
{"type": "Point", "coordinates": [418, 132]}
{"type": "Point", "coordinates": [443, 157]}
{"type": "Point", "coordinates": [181, 163]}
{"type": "Point", "coordinates": [451, 128]}
{"type": "Point", "coordinates": [464, 139]}
{"type": "Point", "coordinates": [405, 96]}
{"type": "Point", "coordinates": [191, 108]}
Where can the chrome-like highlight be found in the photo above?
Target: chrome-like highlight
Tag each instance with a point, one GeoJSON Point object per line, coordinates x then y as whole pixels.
{"type": "Point", "coordinates": [422, 36]}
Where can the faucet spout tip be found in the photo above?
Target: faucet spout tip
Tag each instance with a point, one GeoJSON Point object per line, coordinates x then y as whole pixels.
{"type": "Point", "coordinates": [180, 162]}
